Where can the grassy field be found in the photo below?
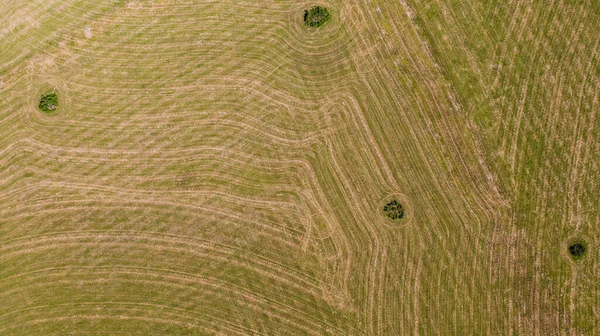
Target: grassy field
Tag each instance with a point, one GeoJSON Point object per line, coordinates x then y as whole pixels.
{"type": "Point", "coordinates": [219, 168]}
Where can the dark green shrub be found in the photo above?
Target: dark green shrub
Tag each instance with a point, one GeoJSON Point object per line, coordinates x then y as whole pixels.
{"type": "Point", "coordinates": [577, 250]}
{"type": "Point", "coordinates": [49, 102]}
{"type": "Point", "coordinates": [316, 16]}
{"type": "Point", "coordinates": [394, 210]}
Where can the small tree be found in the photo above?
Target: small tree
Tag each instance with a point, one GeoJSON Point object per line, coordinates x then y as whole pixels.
{"type": "Point", "coordinates": [316, 16]}
{"type": "Point", "coordinates": [577, 250]}
{"type": "Point", "coordinates": [394, 210]}
{"type": "Point", "coordinates": [49, 102]}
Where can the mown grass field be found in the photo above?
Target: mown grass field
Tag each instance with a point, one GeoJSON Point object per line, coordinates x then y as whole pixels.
{"type": "Point", "coordinates": [219, 168]}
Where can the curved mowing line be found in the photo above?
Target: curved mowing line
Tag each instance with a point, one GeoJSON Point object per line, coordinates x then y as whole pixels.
{"type": "Point", "coordinates": [229, 325]}
{"type": "Point", "coordinates": [261, 303]}
{"type": "Point", "coordinates": [62, 240]}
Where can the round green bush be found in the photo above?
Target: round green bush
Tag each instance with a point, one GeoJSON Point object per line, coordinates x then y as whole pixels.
{"type": "Point", "coordinates": [394, 210]}
{"type": "Point", "coordinates": [49, 102]}
{"type": "Point", "coordinates": [316, 16]}
{"type": "Point", "coordinates": [577, 250]}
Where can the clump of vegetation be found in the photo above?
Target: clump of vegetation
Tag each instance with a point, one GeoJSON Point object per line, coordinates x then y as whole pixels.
{"type": "Point", "coordinates": [577, 250]}
{"type": "Point", "coordinates": [316, 16]}
{"type": "Point", "coordinates": [394, 210]}
{"type": "Point", "coordinates": [49, 102]}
